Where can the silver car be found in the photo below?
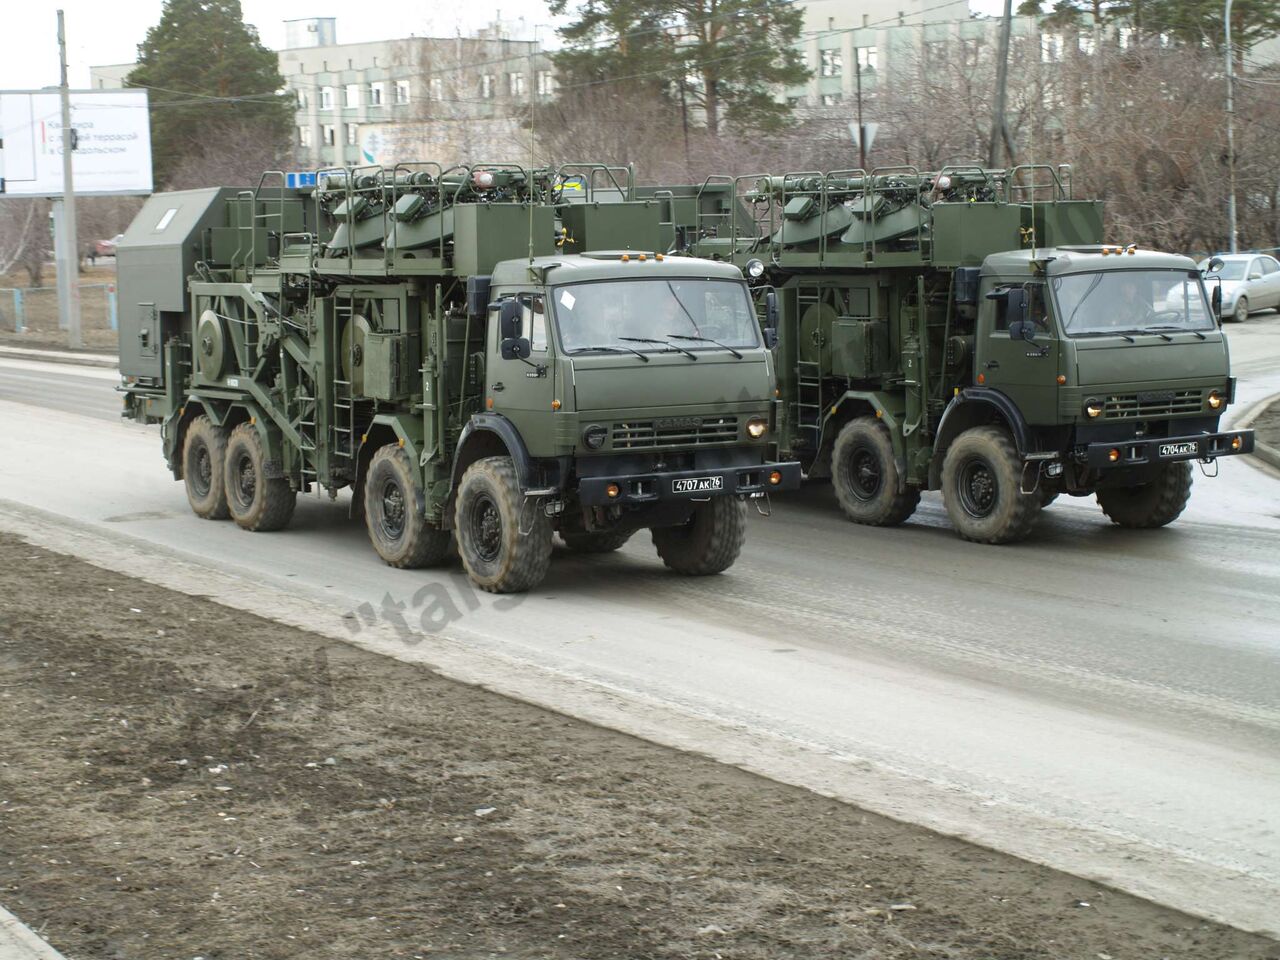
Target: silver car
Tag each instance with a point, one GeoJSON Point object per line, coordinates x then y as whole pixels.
{"type": "Point", "coordinates": [1250, 282]}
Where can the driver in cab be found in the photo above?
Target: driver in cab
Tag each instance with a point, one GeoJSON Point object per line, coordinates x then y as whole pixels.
{"type": "Point", "coordinates": [1132, 309]}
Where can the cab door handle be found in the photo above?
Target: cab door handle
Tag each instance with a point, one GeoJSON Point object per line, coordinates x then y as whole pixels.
{"type": "Point", "coordinates": [992, 364]}
{"type": "Point", "coordinates": [498, 387]}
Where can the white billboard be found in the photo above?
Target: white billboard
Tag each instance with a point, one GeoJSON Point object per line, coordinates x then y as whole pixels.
{"type": "Point", "coordinates": [111, 145]}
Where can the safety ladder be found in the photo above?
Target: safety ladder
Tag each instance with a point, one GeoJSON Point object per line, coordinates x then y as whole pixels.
{"type": "Point", "coordinates": [808, 404]}
{"type": "Point", "coordinates": [344, 408]}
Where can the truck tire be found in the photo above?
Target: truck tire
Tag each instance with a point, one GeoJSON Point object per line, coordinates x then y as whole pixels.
{"type": "Point", "coordinates": [982, 488]}
{"type": "Point", "coordinates": [394, 513]}
{"type": "Point", "coordinates": [865, 475]}
{"type": "Point", "coordinates": [599, 541]}
{"type": "Point", "coordinates": [1153, 504]}
{"type": "Point", "coordinates": [256, 503]}
{"type": "Point", "coordinates": [204, 456]}
{"type": "Point", "coordinates": [709, 542]}
{"type": "Point", "coordinates": [487, 516]}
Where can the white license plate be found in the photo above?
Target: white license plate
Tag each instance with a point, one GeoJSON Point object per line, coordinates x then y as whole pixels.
{"type": "Point", "coordinates": [697, 485]}
{"type": "Point", "coordinates": [1178, 449]}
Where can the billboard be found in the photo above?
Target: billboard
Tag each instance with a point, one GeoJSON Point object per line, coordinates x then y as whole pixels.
{"type": "Point", "coordinates": [111, 145]}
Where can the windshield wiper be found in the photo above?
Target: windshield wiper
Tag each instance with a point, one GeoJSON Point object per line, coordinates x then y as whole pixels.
{"type": "Point", "coordinates": [666, 343]}
{"type": "Point", "coordinates": [1170, 326]}
{"type": "Point", "coordinates": [692, 322]}
{"type": "Point", "coordinates": [684, 336]}
{"type": "Point", "coordinates": [612, 349]}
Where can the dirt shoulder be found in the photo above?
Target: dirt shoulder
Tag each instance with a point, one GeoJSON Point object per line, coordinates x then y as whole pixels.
{"type": "Point", "coordinates": [179, 779]}
{"type": "Point", "coordinates": [1267, 425]}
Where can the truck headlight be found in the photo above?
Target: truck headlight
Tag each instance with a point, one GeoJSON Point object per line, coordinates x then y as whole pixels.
{"type": "Point", "coordinates": [755, 269]}
{"type": "Point", "coordinates": [756, 427]}
{"type": "Point", "coordinates": [1214, 400]}
{"type": "Point", "coordinates": [1093, 408]}
{"type": "Point", "coordinates": [595, 436]}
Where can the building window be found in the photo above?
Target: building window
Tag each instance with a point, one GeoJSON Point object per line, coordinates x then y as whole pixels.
{"type": "Point", "coordinates": [867, 59]}
{"type": "Point", "coordinates": [546, 83]}
{"type": "Point", "coordinates": [402, 91]}
{"type": "Point", "coordinates": [831, 99]}
{"type": "Point", "coordinates": [302, 99]}
{"type": "Point", "coordinates": [326, 98]}
{"type": "Point", "coordinates": [352, 130]}
{"type": "Point", "coordinates": [304, 137]}
{"type": "Point", "coordinates": [436, 88]}
{"type": "Point", "coordinates": [794, 102]}
{"type": "Point", "coordinates": [328, 131]}
{"type": "Point", "coordinates": [351, 95]}
{"type": "Point", "coordinates": [515, 84]}
{"type": "Point", "coordinates": [1051, 47]}
{"type": "Point", "coordinates": [1087, 46]}
{"type": "Point", "coordinates": [832, 63]}
{"type": "Point", "coordinates": [486, 86]}
{"type": "Point", "coordinates": [375, 94]}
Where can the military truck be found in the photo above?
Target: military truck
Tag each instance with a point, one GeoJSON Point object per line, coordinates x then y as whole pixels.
{"type": "Point", "coordinates": [967, 330]}
{"type": "Point", "coordinates": [474, 352]}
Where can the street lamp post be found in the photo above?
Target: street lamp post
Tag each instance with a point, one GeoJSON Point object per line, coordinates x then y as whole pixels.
{"type": "Point", "coordinates": [1231, 136]}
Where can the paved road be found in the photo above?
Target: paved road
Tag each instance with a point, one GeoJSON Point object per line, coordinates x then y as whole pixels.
{"type": "Point", "coordinates": [1102, 700]}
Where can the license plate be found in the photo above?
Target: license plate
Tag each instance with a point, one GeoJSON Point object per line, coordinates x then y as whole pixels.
{"type": "Point", "coordinates": [697, 485]}
{"type": "Point", "coordinates": [1178, 449]}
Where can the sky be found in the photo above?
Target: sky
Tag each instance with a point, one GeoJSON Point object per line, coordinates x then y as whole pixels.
{"type": "Point", "coordinates": [101, 32]}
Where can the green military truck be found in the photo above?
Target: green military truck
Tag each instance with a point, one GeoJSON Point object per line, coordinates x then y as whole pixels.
{"type": "Point", "coordinates": [967, 331]}
{"type": "Point", "coordinates": [477, 353]}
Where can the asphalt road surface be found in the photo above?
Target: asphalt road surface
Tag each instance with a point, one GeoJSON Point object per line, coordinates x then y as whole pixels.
{"type": "Point", "coordinates": [1104, 701]}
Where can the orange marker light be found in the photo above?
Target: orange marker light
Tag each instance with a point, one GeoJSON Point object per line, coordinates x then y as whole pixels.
{"type": "Point", "coordinates": [982, 378]}
{"type": "Point", "coordinates": [1062, 378]}
{"type": "Point", "coordinates": [775, 478]}
{"type": "Point", "coordinates": [488, 403]}
{"type": "Point", "coordinates": [1236, 443]}
{"type": "Point", "coordinates": [555, 404]}
{"type": "Point", "coordinates": [612, 491]}
{"type": "Point", "coordinates": [1113, 455]}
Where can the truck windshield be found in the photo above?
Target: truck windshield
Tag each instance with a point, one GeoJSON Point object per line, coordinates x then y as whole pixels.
{"type": "Point", "coordinates": [1131, 301]}
{"type": "Point", "coordinates": [655, 315]}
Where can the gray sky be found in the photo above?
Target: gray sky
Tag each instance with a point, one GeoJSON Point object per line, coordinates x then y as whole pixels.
{"type": "Point", "coordinates": [109, 31]}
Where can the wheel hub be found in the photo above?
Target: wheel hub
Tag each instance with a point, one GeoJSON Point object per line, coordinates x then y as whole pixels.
{"type": "Point", "coordinates": [977, 488]}
{"type": "Point", "coordinates": [393, 513]}
{"type": "Point", "coordinates": [202, 478]}
{"type": "Point", "coordinates": [863, 473]}
{"type": "Point", "coordinates": [246, 480]}
{"type": "Point", "coordinates": [486, 528]}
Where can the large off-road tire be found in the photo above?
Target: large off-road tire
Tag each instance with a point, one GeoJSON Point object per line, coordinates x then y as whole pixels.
{"type": "Point", "coordinates": [598, 541]}
{"type": "Point", "coordinates": [204, 454]}
{"type": "Point", "coordinates": [256, 503]}
{"type": "Point", "coordinates": [864, 473]}
{"type": "Point", "coordinates": [982, 488]}
{"type": "Point", "coordinates": [1153, 504]}
{"type": "Point", "coordinates": [709, 542]}
{"type": "Point", "coordinates": [395, 512]}
{"type": "Point", "coordinates": [487, 518]}
{"type": "Point", "coordinates": [1241, 313]}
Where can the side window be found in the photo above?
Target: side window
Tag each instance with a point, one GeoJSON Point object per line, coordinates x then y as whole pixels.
{"type": "Point", "coordinates": [1255, 269]}
{"type": "Point", "coordinates": [1269, 265]}
{"type": "Point", "coordinates": [534, 320]}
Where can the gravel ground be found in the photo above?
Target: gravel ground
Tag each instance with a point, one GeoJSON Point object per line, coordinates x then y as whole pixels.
{"type": "Point", "coordinates": [180, 780]}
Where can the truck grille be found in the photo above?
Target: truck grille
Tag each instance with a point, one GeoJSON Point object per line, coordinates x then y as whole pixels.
{"type": "Point", "coordinates": [1157, 403]}
{"type": "Point", "coordinates": [675, 431]}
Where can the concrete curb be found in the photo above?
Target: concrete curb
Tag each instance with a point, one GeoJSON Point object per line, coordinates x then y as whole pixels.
{"type": "Point", "coordinates": [1263, 451]}
{"type": "Point", "coordinates": [20, 942]}
{"type": "Point", "coordinates": [58, 356]}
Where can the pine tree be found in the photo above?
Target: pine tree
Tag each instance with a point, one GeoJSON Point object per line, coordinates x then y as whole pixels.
{"type": "Point", "coordinates": [722, 58]}
{"type": "Point", "coordinates": [207, 72]}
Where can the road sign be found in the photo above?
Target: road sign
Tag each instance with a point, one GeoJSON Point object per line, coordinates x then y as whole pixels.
{"type": "Point", "coordinates": [301, 179]}
{"type": "Point", "coordinates": [870, 129]}
{"type": "Point", "coordinates": [111, 142]}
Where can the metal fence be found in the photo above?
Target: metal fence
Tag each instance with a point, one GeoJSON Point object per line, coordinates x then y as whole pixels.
{"type": "Point", "coordinates": [35, 309]}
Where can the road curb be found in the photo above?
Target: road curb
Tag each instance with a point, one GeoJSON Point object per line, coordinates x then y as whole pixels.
{"type": "Point", "coordinates": [58, 356]}
{"type": "Point", "coordinates": [20, 942]}
{"type": "Point", "coordinates": [1263, 451]}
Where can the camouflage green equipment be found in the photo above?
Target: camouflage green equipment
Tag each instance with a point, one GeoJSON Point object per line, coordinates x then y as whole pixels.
{"type": "Point", "coordinates": [488, 353]}
{"type": "Point", "coordinates": [968, 330]}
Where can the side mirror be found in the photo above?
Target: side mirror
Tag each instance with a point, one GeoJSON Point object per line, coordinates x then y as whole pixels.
{"type": "Point", "coordinates": [515, 348]}
{"type": "Point", "coordinates": [1022, 330]}
{"type": "Point", "coordinates": [1215, 299]}
{"type": "Point", "coordinates": [1214, 265]}
{"type": "Point", "coordinates": [510, 317]}
{"type": "Point", "coordinates": [770, 337]}
{"type": "Point", "coordinates": [1015, 314]}
{"type": "Point", "coordinates": [771, 312]}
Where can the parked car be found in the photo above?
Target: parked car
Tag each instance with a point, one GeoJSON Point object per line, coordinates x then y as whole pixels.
{"type": "Point", "coordinates": [107, 248]}
{"type": "Point", "coordinates": [1250, 282]}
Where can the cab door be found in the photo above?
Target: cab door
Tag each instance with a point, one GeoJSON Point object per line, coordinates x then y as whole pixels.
{"type": "Point", "coordinates": [1025, 371]}
{"type": "Point", "coordinates": [523, 390]}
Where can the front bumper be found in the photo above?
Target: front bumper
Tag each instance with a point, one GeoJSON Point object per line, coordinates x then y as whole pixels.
{"type": "Point", "coordinates": [689, 484]}
{"type": "Point", "coordinates": [1154, 450]}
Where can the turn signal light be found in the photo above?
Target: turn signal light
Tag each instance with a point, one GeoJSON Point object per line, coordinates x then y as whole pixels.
{"type": "Point", "coordinates": [1062, 378]}
{"type": "Point", "coordinates": [612, 491]}
{"type": "Point", "coordinates": [1214, 400]}
{"type": "Point", "coordinates": [1236, 443]}
{"type": "Point", "coordinates": [555, 404]}
{"type": "Point", "coordinates": [1113, 455]}
{"type": "Point", "coordinates": [775, 478]}
{"type": "Point", "coordinates": [982, 378]}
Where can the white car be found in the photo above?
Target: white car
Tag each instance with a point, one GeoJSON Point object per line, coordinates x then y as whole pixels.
{"type": "Point", "coordinates": [1250, 282]}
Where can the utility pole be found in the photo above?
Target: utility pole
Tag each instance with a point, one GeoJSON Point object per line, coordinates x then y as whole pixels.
{"type": "Point", "coordinates": [64, 210]}
{"type": "Point", "coordinates": [998, 126]}
{"type": "Point", "coordinates": [862, 130]}
{"type": "Point", "coordinates": [1231, 136]}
